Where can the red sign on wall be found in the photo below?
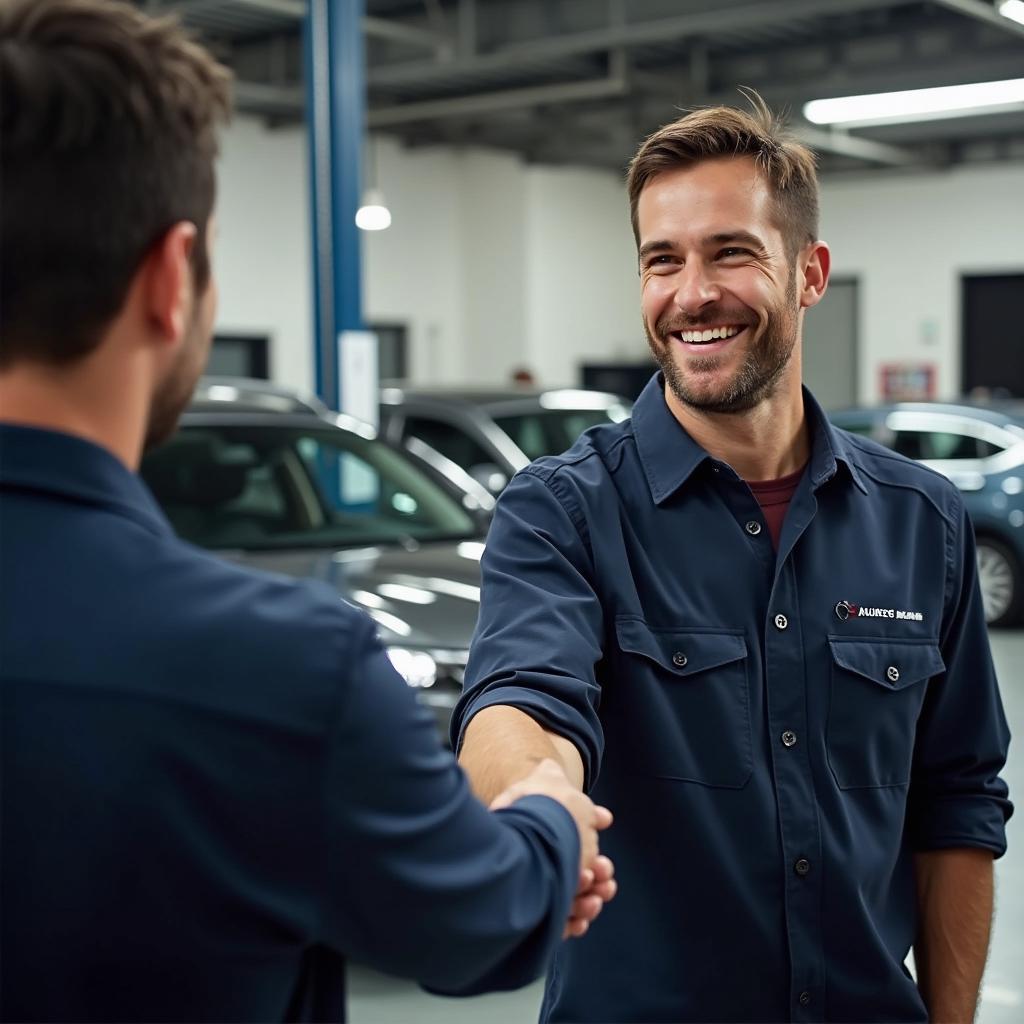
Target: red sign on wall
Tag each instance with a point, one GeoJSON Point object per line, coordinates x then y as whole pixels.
{"type": "Point", "coordinates": [907, 382]}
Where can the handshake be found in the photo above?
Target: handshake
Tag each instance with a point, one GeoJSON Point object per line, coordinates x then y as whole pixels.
{"type": "Point", "coordinates": [596, 882]}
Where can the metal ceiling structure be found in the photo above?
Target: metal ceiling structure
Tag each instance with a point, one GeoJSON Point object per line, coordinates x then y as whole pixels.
{"type": "Point", "coordinates": [583, 81]}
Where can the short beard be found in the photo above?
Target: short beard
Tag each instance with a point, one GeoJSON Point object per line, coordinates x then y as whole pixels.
{"type": "Point", "coordinates": [175, 391]}
{"type": "Point", "coordinates": [755, 381]}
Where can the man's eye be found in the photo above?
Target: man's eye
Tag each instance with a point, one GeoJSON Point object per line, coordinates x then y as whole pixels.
{"type": "Point", "coordinates": [661, 260]}
{"type": "Point", "coordinates": [733, 252]}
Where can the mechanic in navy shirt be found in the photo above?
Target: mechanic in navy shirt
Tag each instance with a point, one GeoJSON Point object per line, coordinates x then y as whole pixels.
{"type": "Point", "coordinates": [757, 639]}
{"type": "Point", "coordinates": [215, 786]}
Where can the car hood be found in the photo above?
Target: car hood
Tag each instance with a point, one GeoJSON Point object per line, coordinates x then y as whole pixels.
{"type": "Point", "coordinates": [425, 598]}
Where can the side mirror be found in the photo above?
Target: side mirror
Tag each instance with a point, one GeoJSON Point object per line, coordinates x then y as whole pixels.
{"type": "Point", "coordinates": [490, 476]}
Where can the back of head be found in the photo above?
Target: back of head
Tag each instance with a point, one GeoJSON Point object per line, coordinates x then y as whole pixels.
{"type": "Point", "coordinates": [715, 133]}
{"type": "Point", "coordinates": [107, 138]}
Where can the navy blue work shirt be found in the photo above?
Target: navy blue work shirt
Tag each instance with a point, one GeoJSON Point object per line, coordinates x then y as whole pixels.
{"type": "Point", "coordinates": [215, 787]}
{"type": "Point", "coordinates": [775, 734]}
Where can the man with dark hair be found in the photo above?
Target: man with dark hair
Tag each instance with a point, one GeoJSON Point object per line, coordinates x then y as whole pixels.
{"type": "Point", "coordinates": [215, 786]}
{"type": "Point", "coordinates": [760, 640]}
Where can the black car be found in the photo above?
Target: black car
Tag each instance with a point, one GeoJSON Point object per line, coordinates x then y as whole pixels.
{"type": "Point", "coordinates": [272, 481]}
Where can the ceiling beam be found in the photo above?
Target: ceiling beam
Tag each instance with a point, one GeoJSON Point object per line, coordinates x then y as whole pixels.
{"type": "Point", "coordinates": [399, 32]}
{"type": "Point", "coordinates": [489, 102]}
{"type": "Point", "coordinates": [719, 19]}
{"type": "Point", "coordinates": [843, 144]}
{"type": "Point", "coordinates": [982, 12]}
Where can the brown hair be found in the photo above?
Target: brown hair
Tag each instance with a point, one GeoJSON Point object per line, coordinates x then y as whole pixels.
{"type": "Point", "coordinates": [107, 139]}
{"type": "Point", "coordinates": [717, 132]}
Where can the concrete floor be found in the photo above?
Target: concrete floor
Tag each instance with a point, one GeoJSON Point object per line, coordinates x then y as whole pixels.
{"type": "Point", "coordinates": [376, 999]}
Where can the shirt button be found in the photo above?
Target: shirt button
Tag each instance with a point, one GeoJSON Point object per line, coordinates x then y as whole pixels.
{"type": "Point", "coordinates": [753, 527]}
{"type": "Point", "coordinates": [802, 867]}
{"type": "Point", "coordinates": [789, 738]}
{"type": "Point", "coordinates": [893, 673]}
{"type": "Point", "coordinates": [781, 622]}
{"type": "Point", "coordinates": [805, 998]}
{"type": "Point", "coordinates": [679, 659]}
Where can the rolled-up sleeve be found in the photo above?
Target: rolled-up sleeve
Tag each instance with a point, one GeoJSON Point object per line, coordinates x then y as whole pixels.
{"type": "Point", "coordinates": [421, 879]}
{"type": "Point", "coordinates": [957, 797]}
{"type": "Point", "coordinates": [540, 633]}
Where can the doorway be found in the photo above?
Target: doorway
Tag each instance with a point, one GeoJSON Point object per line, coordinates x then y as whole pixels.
{"type": "Point", "coordinates": [992, 338]}
{"type": "Point", "coordinates": [830, 345]}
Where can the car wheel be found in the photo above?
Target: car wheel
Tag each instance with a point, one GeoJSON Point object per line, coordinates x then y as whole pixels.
{"type": "Point", "coordinates": [999, 576]}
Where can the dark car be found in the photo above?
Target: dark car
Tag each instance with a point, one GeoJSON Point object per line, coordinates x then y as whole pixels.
{"type": "Point", "coordinates": [492, 434]}
{"type": "Point", "coordinates": [270, 480]}
{"type": "Point", "coordinates": [980, 448]}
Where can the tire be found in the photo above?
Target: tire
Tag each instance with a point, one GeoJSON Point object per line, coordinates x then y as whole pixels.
{"type": "Point", "coordinates": [1001, 581]}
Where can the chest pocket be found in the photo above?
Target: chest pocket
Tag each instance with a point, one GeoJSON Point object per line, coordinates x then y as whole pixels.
{"type": "Point", "coordinates": [878, 687]}
{"type": "Point", "coordinates": [683, 706]}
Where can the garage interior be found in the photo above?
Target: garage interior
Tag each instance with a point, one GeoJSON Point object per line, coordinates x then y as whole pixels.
{"type": "Point", "coordinates": [497, 132]}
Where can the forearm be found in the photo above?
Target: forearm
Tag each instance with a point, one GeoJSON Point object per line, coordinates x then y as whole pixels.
{"type": "Point", "coordinates": [503, 744]}
{"type": "Point", "coordinates": [955, 900]}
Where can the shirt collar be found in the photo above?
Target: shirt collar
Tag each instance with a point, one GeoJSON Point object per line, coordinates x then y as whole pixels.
{"type": "Point", "coordinates": [73, 468]}
{"type": "Point", "coordinates": [669, 455]}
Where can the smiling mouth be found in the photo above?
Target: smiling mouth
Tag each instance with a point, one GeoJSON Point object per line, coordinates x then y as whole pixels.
{"type": "Point", "coordinates": [707, 335]}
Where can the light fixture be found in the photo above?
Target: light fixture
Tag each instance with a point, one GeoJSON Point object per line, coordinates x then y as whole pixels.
{"type": "Point", "coordinates": [919, 104]}
{"type": "Point", "coordinates": [373, 213]}
{"type": "Point", "coordinates": [1013, 9]}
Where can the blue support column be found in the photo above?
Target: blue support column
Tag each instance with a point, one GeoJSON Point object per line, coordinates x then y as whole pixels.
{"type": "Point", "coordinates": [335, 114]}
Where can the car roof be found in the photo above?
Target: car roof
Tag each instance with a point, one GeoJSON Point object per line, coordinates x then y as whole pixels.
{"type": "Point", "coordinates": [998, 412]}
{"type": "Point", "coordinates": [492, 399]}
{"type": "Point", "coordinates": [246, 394]}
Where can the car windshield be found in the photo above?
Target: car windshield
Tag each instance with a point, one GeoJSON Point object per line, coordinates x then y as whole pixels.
{"type": "Point", "coordinates": [551, 431]}
{"type": "Point", "coordinates": [275, 487]}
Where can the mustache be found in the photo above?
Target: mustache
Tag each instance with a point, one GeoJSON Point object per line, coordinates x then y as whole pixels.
{"type": "Point", "coordinates": [668, 324]}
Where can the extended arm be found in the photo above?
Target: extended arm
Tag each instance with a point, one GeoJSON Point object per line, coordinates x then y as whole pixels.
{"type": "Point", "coordinates": [955, 895]}
{"type": "Point", "coordinates": [422, 880]}
{"type": "Point", "coordinates": [502, 744]}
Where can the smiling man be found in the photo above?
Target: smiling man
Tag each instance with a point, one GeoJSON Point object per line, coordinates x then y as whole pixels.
{"type": "Point", "coordinates": [677, 609]}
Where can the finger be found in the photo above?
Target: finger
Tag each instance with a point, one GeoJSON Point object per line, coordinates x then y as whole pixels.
{"type": "Point", "coordinates": [587, 907]}
{"type": "Point", "coordinates": [602, 817]}
{"type": "Point", "coordinates": [587, 879]}
{"type": "Point", "coordinates": [606, 890]}
{"type": "Point", "coordinates": [602, 868]}
{"type": "Point", "coordinates": [576, 928]}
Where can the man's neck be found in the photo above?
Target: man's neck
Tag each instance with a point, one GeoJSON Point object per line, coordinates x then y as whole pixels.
{"type": "Point", "coordinates": [93, 400]}
{"type": "Point", "coordinates": [765, 443]}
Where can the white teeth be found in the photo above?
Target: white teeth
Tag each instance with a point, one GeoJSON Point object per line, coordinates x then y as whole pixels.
{"type": "Point", "coordinates": [712, 334]}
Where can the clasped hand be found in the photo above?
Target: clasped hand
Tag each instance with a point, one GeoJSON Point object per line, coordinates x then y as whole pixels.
{"type": "Point", "coordinates": [597, 883]}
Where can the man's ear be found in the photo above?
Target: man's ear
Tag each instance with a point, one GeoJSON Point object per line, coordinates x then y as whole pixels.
{"type": "Point", "coordinates": [815, 264]}
{"type": "Point", "coordinates": [167, 287]}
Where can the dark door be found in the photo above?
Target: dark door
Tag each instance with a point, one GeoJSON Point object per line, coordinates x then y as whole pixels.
{"type": "Point", "coordinates": [993, 334]}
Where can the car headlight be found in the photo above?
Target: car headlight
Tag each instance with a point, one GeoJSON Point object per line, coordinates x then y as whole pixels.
{"type": "Point", "coordinates": [417, 668]}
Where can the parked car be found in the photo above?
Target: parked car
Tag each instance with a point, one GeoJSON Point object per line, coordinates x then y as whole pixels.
{"type": "Point", "coordinates": [268, 479]}
{"type": "Point", "coordinates": [981, 449]}
{"type": "Point", "coordinates": [492, 434]}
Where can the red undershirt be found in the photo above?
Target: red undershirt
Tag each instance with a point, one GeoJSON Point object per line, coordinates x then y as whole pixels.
{"type": "Point", "coordinates": [774, 496]}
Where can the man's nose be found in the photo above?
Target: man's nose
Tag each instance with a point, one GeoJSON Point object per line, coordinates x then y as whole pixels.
{"type": "Point", "coordinates": [696, 288]}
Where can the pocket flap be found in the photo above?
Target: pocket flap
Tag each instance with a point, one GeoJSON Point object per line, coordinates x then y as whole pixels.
{"type": "Point", "coordinates": [681, 651]}
{"type": "Point", "coordinates": [893, 664]}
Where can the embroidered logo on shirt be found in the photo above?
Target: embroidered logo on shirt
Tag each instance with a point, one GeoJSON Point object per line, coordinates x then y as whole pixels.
{"type": "Point", "coordinates": [845, 610]}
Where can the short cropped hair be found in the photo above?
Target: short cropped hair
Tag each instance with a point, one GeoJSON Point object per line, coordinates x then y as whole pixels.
{"type": "Point", "coordinates": [107, 139]}
{"type": "Point", "coordinates": [716, 132]}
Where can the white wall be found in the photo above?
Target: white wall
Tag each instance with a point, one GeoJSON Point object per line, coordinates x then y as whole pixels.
{"type": "Point", "coordinates": [494, 264]}
{"type": "Point", "coordinates": [583, 294]}
{"type": "Point", "coordinates": [907, 239]}
{"type": "Point", "coordinates": [262, 256]}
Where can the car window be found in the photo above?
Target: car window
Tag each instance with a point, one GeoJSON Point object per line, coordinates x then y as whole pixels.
{"type": "Point", "coordinates": [942, 445]}
{"type": "Point", "coordinates": [452, 442]}
{"type": "Point", "coordinates": [274, 487]}
{"type": "Point", "coordinates": [550, 431]}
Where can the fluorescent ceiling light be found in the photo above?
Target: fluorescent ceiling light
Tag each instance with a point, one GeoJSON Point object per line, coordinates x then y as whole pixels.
{"type": "Point", "coordinates": [1013, 9]}
{"type": "Point", "coordinates": [919, 104]}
